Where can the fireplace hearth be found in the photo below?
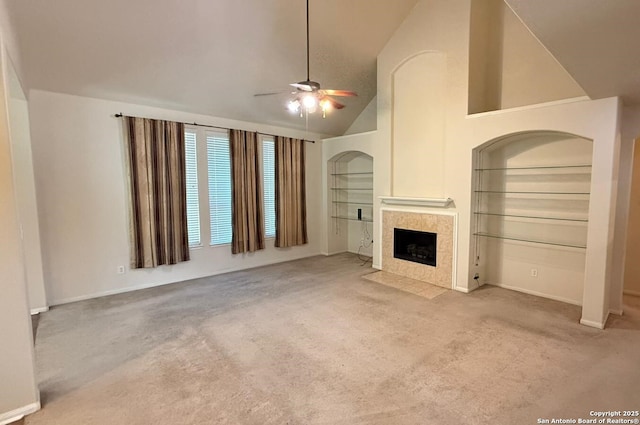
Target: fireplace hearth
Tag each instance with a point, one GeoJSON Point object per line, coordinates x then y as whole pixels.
{"type": "Point", "coordinates": [416, 246]}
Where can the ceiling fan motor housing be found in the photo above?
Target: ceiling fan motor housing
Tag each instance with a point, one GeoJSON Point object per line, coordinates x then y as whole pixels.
{"type": "Point", "coordinates": [308, 85]}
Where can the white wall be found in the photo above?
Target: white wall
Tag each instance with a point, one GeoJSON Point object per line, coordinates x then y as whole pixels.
{"type": "Point", "coordinates": [509, 67]}
{"type": "Point", "coordinates": [530, 74]}
{"type": "Point", "coordinates": [366, 121]}
{"type": "Point", "coordinates": [629, 206]}
{"type": "Point", "coordinates": [632, 266]}
{"type": "Point", "coordinates": [81, 185]}
{"type": "Point", "coordinates": [418, 92]}
{"type": "Point", "coordinates": [443, 26]}
{"type": "Point", "coordinates": [361, 232]}
{"type": "Point", "coordinates": [26, 192]}
{"type": "Point", "coordinates": [18, 390]}
{"type": "Point", "coordinates": [10, 39]}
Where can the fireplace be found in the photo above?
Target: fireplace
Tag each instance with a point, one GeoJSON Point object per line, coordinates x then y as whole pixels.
{"type": "Point", "coordinates": [416, 246]}
{"type": "Point", "coordinates": [441, 273]}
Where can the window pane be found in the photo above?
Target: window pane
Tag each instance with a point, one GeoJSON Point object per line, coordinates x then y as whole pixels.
{"type": "Point", "coordinates": [193, 205]}
{"type": "Point", "coordinates": [219, 171]}
{"type": "Point", "coordinates": [269, 180]}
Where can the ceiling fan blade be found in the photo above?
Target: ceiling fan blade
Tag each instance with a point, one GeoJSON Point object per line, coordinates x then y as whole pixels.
{"type": "Point", "coordinates": [270, 93]}
{"type": "Point", "coordinates": [339, 92]}
{"type": "Point", "coordinates": [334, 103]}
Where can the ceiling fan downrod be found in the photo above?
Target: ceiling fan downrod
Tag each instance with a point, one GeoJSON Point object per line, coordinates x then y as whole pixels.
{"type": "Point", "coordinates": [308, 78]}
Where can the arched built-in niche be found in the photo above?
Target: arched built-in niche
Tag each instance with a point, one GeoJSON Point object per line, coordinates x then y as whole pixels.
{"type": "Point", "coordinates": [350, 209]}
{"type": "Point", "coordinates": [530, 213]}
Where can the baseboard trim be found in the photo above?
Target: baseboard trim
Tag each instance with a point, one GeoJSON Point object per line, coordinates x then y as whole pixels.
{"type": "Point", "coordinates": [634, 293]}
{"type": "Point", "coordinates": [619, 312]}
{"type": "Point", "coordinates": [463, 290]}
{"type": "Point", "coordinates": [35, 311]}
{"type": "Point", "coordinates": [592, 324]}
{"type": "Point", "coordinates": [155, 285]}
{"type": "Point", "coordinates": [538, 294]}
{"type": "Point", "coordinates": [376, 266]}
{"type": "Point", "coordinates": [19, 413]}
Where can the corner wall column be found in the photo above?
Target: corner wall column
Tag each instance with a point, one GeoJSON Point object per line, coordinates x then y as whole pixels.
{"type": "Point", "coordinates": [600, 239]}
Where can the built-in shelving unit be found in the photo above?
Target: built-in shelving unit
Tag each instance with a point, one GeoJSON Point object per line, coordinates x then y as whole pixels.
{"type": "Point", "coordinates": [541, 204]}
{"type": "Point", "coordinates": [352, 191]}
{"type": "Point", "coordinates": [530, 213]}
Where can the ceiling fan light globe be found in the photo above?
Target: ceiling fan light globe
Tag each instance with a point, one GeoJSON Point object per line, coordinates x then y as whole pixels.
{"type": "Point", "coordinates": [310, 102]}
{"type": "Point", "coordinates": [325, 105]}
{"type": "Point", "coordinates": [293, 106]}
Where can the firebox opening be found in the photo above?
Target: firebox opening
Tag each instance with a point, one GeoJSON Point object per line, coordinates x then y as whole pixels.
{"type": "Point", "coordinates": [416, 246]}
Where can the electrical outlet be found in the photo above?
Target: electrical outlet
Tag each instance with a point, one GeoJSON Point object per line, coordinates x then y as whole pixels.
{"type": "Point", "coordinates": [534, 272]}
{"type": "Point", "coordinates": [120, 269]}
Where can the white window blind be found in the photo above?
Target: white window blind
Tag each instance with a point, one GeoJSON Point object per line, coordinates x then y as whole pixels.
{"type": "Point", "coordinates": [219, 168]}
{"type": "Point", "coordinates": [269, 181]}
{"type": "Point", "coordinates": [193, 205]}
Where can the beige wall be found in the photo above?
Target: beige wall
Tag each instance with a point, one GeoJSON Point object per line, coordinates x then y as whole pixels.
{"type": "Point", "coordinates": [530, 74]}
{"type": "Point", "coordinates": [630, 129]}
{"type": "Point", "coordinates": [82, 199]}
{"type": "Point", "coordinates": [366, 121]}
{"type": "Point", "coordinates": [632, 264]}
{"type": "Point", "coordinates": [418, 93]}
{"type": "Point", "coordinates": [26, 192]}
{"type": "Point", "coordinates": [443, 26]}
{"type": "Point", "coordinates": [18, 390]}
{"type": "Point", "coordinates": [509, 67]}
{"type": "Point", "coordinates": [360, 232]}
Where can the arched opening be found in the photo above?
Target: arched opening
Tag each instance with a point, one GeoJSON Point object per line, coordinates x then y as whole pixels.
{"type": "Point", "coordinates": [350, 209]}
{"type": "Point", "coordinates": [531, 212]}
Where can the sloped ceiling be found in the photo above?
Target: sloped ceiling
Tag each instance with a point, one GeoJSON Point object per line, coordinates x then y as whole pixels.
{"type": "Point", "coordinates": [597, 41]}
{"type": "Point", "coordinates": [207, 56]}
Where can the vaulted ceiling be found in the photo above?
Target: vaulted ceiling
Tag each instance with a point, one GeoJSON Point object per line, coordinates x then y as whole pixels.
{"type": "Point", "coordinates": [207, 56]}
{"type": "Point", "coordinates": [212, 56]}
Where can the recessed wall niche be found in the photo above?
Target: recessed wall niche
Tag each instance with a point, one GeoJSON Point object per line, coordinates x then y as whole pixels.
{"type": "Point", "coordinates": [350, 188]}
{"type": "Point", "coordinates": [530, 213]}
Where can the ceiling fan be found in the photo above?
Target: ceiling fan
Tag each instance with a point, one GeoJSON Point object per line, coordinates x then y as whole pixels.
{"type": "Point", "coordinates": [309, 95]}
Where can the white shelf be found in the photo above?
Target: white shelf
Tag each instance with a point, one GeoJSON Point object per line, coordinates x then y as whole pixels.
{"type": "Point", "coordinates": [351, 191]}
{"type": "Point", "coordinates": [492, 219]}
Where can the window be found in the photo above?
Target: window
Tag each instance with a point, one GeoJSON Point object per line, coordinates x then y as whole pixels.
{"type": "Point", "coordinates": [219, 186]}
{"type": "Point", "coordinates": [193, 205]}
{"type": "Point", "coordinates": [219, 176]}
{"type": "Point", "coordinates": [269, 183]}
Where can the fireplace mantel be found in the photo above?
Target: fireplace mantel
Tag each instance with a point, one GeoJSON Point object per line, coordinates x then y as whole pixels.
{"type": "Point", "coordinates": [419, 202]}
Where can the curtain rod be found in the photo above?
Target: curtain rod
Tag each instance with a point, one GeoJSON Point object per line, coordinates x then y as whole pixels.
{"type": "Point", "coordinates": [120, 115]}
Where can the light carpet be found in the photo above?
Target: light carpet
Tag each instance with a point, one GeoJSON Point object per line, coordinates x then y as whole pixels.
{"type": "Point", "coordinates": [312, 342]}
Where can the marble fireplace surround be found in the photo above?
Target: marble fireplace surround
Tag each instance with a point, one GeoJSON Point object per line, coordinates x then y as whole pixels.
{"type": "Point", "coordinates": [443, 224]}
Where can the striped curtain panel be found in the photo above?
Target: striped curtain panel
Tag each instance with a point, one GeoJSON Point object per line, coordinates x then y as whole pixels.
{"type": "Point", "coordinates": [247, 215]}
{"type": "Point", "coordinates": [157, 183]}
{"type": "Point", "coordinates": [291, 205]}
